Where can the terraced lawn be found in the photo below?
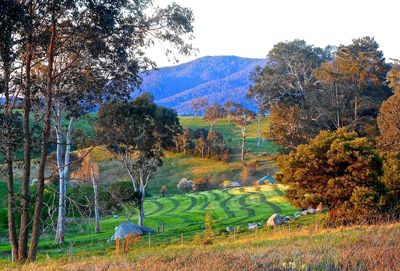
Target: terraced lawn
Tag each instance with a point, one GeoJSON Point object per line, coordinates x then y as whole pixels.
{"type": "Point", "coordinates": [181, 215]}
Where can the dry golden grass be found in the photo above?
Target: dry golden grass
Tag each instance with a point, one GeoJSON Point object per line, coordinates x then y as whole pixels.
{"type": "Point", "coordinates": [312, 248]}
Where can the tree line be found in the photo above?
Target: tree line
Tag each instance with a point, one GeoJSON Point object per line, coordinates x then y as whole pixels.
{"type": "Point", "coordinates": [335, 113]}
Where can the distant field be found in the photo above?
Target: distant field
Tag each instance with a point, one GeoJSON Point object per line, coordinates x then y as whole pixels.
{"type": "Point", "coordinates": [231, 135]}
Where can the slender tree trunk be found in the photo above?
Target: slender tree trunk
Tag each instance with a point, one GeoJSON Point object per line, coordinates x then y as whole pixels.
{"type": "Point", "coordinates": [12, 231]}
{"type": "Point", "coordinates": [63, 162]}
{"type": "Point", "coordinates": [25, 196]}
{"type": "Point", "coordinates": [36, 225]}
{"type": "Point", "coordinates": [96, 200]}
{"type": "Point", "coordinates": [141, 208]}
{"type": "Point", "coordinates": [243, 144]}
{"type": "Point", "coordinates": [211, 128]}
{"type": "Point", "coordinates": [258, 130]}
{"type": "Point", "coordinates": [356, 107]}
{"type": "Point", "coordinates": [337, 107]}
{"type": "Point", "coordinates": [60, 231]}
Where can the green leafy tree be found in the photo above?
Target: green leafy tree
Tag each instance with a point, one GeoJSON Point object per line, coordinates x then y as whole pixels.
{"type": "Point", "coordinates": [62, 46]}
{"type": "Point", "coordinates": [137, 132]}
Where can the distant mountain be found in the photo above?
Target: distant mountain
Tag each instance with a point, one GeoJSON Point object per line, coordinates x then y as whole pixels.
{"type": "Point", "coordinates": [217, 78]}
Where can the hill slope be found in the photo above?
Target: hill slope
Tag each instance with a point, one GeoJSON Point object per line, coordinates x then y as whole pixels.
{"type": "Point", "coordinates": [217, 78]}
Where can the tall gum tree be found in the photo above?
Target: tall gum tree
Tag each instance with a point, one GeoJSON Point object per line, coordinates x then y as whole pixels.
{"type": "Point", "coordinates": [137, 132]}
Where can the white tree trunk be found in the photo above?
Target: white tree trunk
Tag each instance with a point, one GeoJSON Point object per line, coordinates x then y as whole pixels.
{"type": "Point", "coordinates": [244, 134]}
{"type": "Point", "coordinates": [96, 201]}
{"type": "Point", "coordinates": [141, 208]}
{"type": "Point", "coordinates": [258, 130]}
{"type": "Point", "coordinates": [63, 162]}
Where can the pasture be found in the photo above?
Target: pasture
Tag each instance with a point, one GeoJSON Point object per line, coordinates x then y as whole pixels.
{"type": "Point", "coordinates": [181, 215]}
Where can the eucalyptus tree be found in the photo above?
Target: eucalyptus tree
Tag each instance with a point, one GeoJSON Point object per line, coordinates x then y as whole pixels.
{"type": "Point", "coordinates": [352, 85]}
{"type": "Point", "coordinates": [137, 132]}
{"type": "Point", "coordinates": [242, 118]}
{"type": "Point", "coordinates": [284, 84]}
{"type": "Point", "coordinates": [12, 20]}
{"type": "Point", "coordinates": [212, 114]}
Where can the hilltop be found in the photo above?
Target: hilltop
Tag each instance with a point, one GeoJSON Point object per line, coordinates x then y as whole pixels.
{"type": "Point", "coordinates": [217, 78]}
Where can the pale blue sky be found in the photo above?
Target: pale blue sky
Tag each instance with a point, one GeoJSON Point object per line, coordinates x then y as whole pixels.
{"type": "Point", "coordinates": [251, 28]}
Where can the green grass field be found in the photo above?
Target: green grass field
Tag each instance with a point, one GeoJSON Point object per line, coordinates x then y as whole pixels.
{"type": "Point", "coordinates": [181, 214]}
{"type": "Point", "coordinates": [231, 135]}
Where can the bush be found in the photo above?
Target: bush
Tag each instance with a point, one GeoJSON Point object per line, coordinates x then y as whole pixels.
{"type": "Point", "coordinates": [185, 185]}
{"type": "Point", "coordinates": [226, 183]}
{"type": "Point", "coordinates": [339, 169]}
{"type": "Point", "coordinates": [201, 184]}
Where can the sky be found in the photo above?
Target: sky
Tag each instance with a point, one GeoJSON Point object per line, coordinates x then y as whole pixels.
{"type": "Point", "coordinates": [251, 28]}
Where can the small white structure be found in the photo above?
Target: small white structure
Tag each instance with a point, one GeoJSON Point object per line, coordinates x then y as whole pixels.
{"type": "Point", "coordinates": [235, 184]}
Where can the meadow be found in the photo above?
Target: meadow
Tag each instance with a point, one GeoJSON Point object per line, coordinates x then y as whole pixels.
{"type": "Point", "coordinates": [182, 215]}
{"type": "Point", "coordinates": [309, 247]}
{"type": "Point", "coordinates": [304, 244]}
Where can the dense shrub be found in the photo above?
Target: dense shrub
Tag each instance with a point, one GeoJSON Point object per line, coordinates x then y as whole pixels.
{"type": "Point", "coordinates": [339, 169]}
{"type": "Point", "coordinates": [201, 184]}
{"type": "Point", "coordinates": [185, 185]}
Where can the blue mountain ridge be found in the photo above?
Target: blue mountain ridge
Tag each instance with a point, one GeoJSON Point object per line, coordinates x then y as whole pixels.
{"type": "Point", "coordinates": [216, 78]}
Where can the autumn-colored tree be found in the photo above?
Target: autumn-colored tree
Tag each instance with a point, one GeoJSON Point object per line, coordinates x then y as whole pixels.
{"type": "Point", "coordinates": [183, 141]}
{"type": "Point", "coordinates": [247, 172]}
{"type": "Point", "coordinates": [89, 172]}
{"type": "Point", "coordinates": [389, 116]}
{"type": "Point", "coordinates": [213, 113]}
{"type": "Point", "coordinates": [391, 179]}
{"type": "Point", "coordinates": [201, 184]}
{"type": "Point", "coordinates": [199, 105]}
{"type": "Point", "coordinates": [201, 146]}
{"type": "Point", "coordinates": [163, 190]}
{"type": "Point", "coordinates": [321, 89]}
{"type": "Point", "coordinates": [351, 87]}
{"type": "Point", "coordinates": [285, 82]}
{"type": "Point", "coordinates": [389, 123]}
{"type": "Point", "coordinates": [338, 169]}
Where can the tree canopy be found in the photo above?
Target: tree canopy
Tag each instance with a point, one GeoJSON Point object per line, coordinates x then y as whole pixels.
{"type": "Point", "coordinates": [137, 132]}
{"type": "Point", "coordinates": [339, 169]}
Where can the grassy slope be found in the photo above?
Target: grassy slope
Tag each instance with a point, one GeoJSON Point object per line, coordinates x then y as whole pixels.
{"type": "Point", "coordinates": [309, 248]}
{"type": "Point", "coordinates": [184, 213]}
